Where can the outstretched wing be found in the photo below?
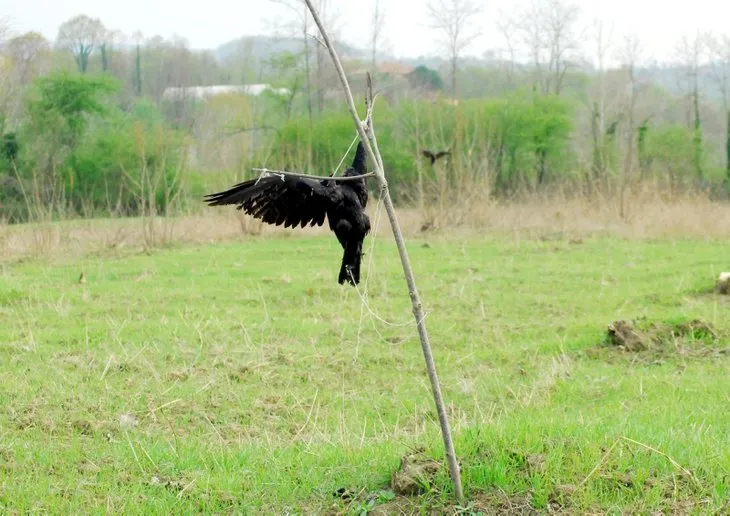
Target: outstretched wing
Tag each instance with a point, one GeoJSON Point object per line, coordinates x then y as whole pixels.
{"type": "Point", "coordinates": [427, 154]}
{"type": "Point", "coordinates": [442, 153]}
{"type": "Point", "coordinates": [275, 200]}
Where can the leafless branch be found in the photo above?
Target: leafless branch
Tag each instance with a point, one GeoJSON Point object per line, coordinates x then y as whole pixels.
{"type": "Point", "coordinates": [4, 28]}
{"type": "Point", "coordinates": [374, 154]}
{"type": "Point", "coordinates": [240, 130]}
{"type": "Point", "coordinates": [629, 55]}
{"type": "Point", "coordinates": [505, 25]}
{"type": "Point", "coordinates": [377, 26]}
{"type": "Point", "coordinates": [550, 33]}
{"type": "Point", "coordinates": [316, 38]}
{"type": "Point", "coordinates": [719, 52]}
{"type": "Point", "coordinates": [266, 171]}
{"type": "Point", "coordinates": [453, 19]}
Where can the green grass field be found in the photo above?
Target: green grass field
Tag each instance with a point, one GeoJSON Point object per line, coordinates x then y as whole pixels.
{"type": "Point", "coordinates": [240, 377]}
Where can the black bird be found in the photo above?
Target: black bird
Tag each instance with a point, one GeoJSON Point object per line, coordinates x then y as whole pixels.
{"type": "Point", "coordinates": [295, 200]}
{"type": "Point", "coordinates": [433, 157]}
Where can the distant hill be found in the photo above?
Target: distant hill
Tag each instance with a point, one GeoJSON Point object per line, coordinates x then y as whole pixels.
{"type": "Point", "coordinates": [263, 47]}
{"type": "Point", "coordinates": [673, 79]}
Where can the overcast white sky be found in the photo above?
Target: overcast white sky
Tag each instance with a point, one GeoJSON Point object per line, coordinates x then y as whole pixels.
{"type": "Point", "coordinates": [659, 23]}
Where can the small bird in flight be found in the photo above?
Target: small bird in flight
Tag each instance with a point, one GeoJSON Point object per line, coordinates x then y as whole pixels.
{"type": "Point", "coordinates": [295, 200]}
{"type": "Point", "coordinates": [433, 157]}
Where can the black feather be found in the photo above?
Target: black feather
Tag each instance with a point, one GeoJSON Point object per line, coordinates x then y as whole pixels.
{"type": "Point", "coordinates": [296, 201]}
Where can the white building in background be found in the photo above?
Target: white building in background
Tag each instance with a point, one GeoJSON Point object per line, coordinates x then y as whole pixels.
{"type": "Point", "coordinates": [202, 92]}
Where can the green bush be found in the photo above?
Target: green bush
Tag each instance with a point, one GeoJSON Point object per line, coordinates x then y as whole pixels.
{"type": "Point", "coordinates": [526, 139]}
{"type": "Point", "coordinates": [80, 152]}
{"type": "Point", "coordinates": [669, 151]}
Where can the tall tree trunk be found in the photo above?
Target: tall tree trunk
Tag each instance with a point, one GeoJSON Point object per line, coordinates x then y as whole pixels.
{"type": "Point", "coordinates": [138, 73]}
{"type": "Point", "coordinates": [597, 148]}
{"type": "Point", "coordinates": [320, 86]}
{"type": "Point", "coordinates": [104, 58]}
{"type": "Point", "coordinates": [727, 148]}
{"type": "Point", "coordinates": [628, 163]}
{"type": "Point", "coordinates": [697, 132]}
{"type": "Point", "coordinates": [374, 61]}
{"type": "Point", "coordinates": [453, 76]}
{"type": "Point", "coordinates": [499, 182]}
{"type": "Point", "coordinates": [307, 72]}
{"type": "Point", "coordinates": [82, 59]}
{"type": "Point", "coordinates": [514, 173]}
{"type": "Point", "coordinates": [641, 148]}
{"type": "Point", "coordinates": [374, 58]}
{"type": "Point", "coordinates": [603, 136]}
{"type": "Point", "coordinates": [542, 171]}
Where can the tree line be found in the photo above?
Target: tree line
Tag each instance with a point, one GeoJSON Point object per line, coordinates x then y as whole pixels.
{"type": "Point", "coordinates": [86, 129]}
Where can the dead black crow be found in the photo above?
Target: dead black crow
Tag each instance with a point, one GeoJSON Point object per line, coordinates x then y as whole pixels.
{"type": "Point", "coordinates": [292, 200]}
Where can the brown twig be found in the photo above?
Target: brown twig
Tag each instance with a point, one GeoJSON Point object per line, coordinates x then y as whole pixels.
{"type": "Point", "coordinates": [318, 40]}
{"type": "Point", "coordinates": [600, 462]}
{"type": "Point", "coordinates": [374, 154]}
{"type": "Point", "coordinates": [674, 463]}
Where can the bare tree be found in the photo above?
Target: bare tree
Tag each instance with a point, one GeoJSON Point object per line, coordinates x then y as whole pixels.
{"type": "Point", "coordinates": [5, 65]}
{"type": "Point", "coordinates": [171, 63]}
{"type": "Point", "coordinates": [320, 60]}
{"type": "Point", "coordinates": [137, 37]}
{"type": "Point", "coordinates": [321, 70]}
{"type": "Point", "coordinates": [108, 40]}
{"type": "Point", "coordinates": [80, 35]}
{"type": "Point", "coordinates": [549, 31]}
{"type": "Point", "coordinates": [690, 53]}
{"type": "Point", "coordinates": [549, 34]}
{"type": "Point", "coordinates": [719, 51]}
{"type": "Point", "coordinates": [603, 45]}
{"type": "Point", "coordinates": [453, 18]}
{"type": "Point", "coordinates": [4, 29]}
{"type": "Point", "coordinates": [603, 39]}
{"type": "Point", "coordinates": [302, 24]}
{"type": "Point", "coordinates": [506, 25]}
{"type": "Point", "coordinates": [325, 70]}
{"type": "Point", "coordinates": [25, 58]}
{"type": "Point", "coordinates": [629, 54]}
{"type": "Point", "coordinates": [376, 33]}
{"type": "Point", "coordinates": [286, 69]}
{"type": "Point", "coordinates": [25, 51]}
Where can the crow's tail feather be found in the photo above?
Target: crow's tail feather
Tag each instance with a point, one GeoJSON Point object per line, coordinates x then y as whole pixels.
{"type": "Point", "coordinates": [350, 268]}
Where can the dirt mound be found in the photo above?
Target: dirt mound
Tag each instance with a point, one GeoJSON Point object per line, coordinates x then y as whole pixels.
{"type": "Point", "coordinates": [639, 336]}
{"type": "Point", "coordinates": [623, 335]}
{"type": "Point", "coordinates": [415, 474]}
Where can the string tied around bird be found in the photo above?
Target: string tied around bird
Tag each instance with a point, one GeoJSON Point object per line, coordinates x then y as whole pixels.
{"type": "Point", "coordinates": [263, 172]}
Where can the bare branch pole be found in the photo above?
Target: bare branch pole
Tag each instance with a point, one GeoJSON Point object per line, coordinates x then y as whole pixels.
{"type": "Point", "coordinates": [282, 173]}
{"type": "Point", "coordinates": [408, 272]}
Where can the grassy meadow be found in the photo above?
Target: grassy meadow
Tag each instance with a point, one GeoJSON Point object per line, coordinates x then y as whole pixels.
{"type": "Point", "coordinates": [229, 372]}
{"type": "Point", "coordinates": [160, 356]}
